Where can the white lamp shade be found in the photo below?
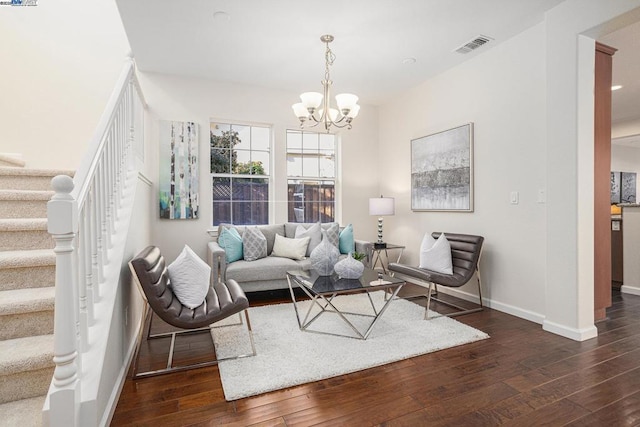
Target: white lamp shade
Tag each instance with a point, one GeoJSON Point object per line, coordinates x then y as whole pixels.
{"type": "Point", "coordinates": [333, 113]}
{"type": "Point", "coordinates": [353, 113]}
{"type": "Point", "coordinates": [299, 110]}
{"type": "Point", "coordinates": [311, 99]}
{"type": "Point", "coordinates": [382, 206]}
{"type": "Point", "coordinates": [346, 101]}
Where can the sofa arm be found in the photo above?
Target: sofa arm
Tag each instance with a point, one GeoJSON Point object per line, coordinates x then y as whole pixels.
{"type": "Point", "coordinates": [364, 247]}
{"type": "Point", "coordinates": [216, 257]}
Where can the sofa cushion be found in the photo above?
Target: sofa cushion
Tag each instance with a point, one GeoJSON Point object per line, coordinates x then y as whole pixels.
{"type": "Point", "coordinates": [347, 241]}
{"type": "Point", "coordinates": [269, 232]}
{"type": "Point", "coordinates": [435, 255]}
{"type": "Point", "coordinates": [314, 234]}
{"type": "Point", "coordinates": [189, 276]}
{"type": "Point", "coordinates": [264, 269]}
{"type": "Point", "coordinates": [290, 248]}
{"type": "Point", "coordinates": [333, 233]}
{"type": "Point", "coordinates": [231, 241]}
{"type": "Point", "coordinates": [254, 244]}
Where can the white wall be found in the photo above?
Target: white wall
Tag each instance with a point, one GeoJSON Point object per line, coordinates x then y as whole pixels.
{"type": "Point", "coordinates": [625, 128]}
{"type": "Point", "coordinates": [60, 61]}
{"type": "Point", "coordinates": [503, 92]}
{"type": "Point", "coordinates": [200, 100]}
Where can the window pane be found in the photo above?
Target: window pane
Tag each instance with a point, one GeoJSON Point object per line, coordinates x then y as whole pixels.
{"type": "Point", "coordinates": [218, 128]}
{"type": "Point", "coordinates": [327, 167]}
{"type": "Point", "coordinates": [327, 141]}
{"type": "Point", "coordinates": [220, 161]}
{"type": "Point", "coordinates": [260, 138]}
{"type": "Point", "coordinates": [262, 159]}
{"type": "Point", "coordinates": [294, 165]}
{"type": "Point", "coordinates": [310, 166]}
{"type": "Point", "coordinates": [310, 142]}
{"type": "Point", "coordinates": [221, 189]}
{"type": "Point", "coordinates": [242, 157]}
{"type": "Point", "coordinates": [294, 140]}
{"type": "Point", "coordinates": [244, 136]}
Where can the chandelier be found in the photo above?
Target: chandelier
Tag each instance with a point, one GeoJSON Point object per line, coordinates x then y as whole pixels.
{"type": "Point", "coordinates": [315, 107]}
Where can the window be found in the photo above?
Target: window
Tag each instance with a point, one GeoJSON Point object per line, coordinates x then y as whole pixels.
{"type": "Point", "coordinates": [240, 173]}
{"type": "Point", "coordinates": [311, 173]}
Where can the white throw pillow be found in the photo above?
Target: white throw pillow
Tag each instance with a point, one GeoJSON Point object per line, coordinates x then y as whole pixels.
{"type": "Point", "coordinates": [290, 248]}
{"type": "Point", "coordinates": [435, 255]}
{"type": "Point", "coordinates": [314, 232]}
{"type": "Point", "coordinates": [189, 276]}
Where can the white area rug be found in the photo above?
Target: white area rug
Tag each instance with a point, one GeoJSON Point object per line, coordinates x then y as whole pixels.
{"type": "Point", "coordinates": [288, 356]}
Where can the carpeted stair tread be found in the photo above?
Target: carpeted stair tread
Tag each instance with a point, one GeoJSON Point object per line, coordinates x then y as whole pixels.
{"type": "Point", "coordinates": [26, 354]}
{"type": "Point", "coordinates": [28, 258]}
{"type": "Point", "coordinates": [10, 160]}
{"type": "Point", "coordinates": [23, 413]}
{"type": "Point", "coordinates": [23, 224]}
{"type": "Point", "coordinates": [29, 300]}
{"type": "Point", "coordinates": [33, 172]}
{"type": "Point", "coordinates": [25, 195]}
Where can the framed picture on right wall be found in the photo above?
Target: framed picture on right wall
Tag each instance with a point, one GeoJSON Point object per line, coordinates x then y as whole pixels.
{"type": "Point", "coordinates": [442, 171]}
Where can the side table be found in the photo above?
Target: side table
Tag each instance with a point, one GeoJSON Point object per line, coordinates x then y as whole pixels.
{"type": "Point", "coordinates": [377, 256]}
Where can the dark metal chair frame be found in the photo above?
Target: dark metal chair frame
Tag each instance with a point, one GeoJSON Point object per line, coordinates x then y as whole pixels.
{"type": "Point", "coordinates": [149, 272]}
{"type": "Point", "coordinates": [466, 250]}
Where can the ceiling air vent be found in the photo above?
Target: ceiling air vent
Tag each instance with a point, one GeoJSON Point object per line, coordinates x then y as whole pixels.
{"type": "Point", "coordinates": [473, 44]}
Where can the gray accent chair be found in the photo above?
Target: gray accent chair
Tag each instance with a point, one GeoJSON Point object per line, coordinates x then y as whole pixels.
{"type": "Point", "coordinates": [465, 254]}
{"type": "Point", "coordinates": [223, 300]}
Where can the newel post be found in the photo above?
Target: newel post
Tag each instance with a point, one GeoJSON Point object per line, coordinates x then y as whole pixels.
{"type": "Point", "coordinates": [62, 213]}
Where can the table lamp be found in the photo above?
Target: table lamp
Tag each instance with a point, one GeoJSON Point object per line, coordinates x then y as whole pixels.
{"type": "Point", "coordinates": [381, 206]}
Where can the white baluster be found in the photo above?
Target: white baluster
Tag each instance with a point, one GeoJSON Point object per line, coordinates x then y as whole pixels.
{"type": "Point", "coordinates": [62, 225]}
{"type": "Point", "coordinates": [78, 268]}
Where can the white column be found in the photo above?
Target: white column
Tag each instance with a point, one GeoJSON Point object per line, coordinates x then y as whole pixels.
{"type": "Point", "coordinates": [62, 215]}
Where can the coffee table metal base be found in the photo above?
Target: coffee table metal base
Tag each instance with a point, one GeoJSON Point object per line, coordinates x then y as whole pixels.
{"type": "Point", "coordinates": [325, 304]}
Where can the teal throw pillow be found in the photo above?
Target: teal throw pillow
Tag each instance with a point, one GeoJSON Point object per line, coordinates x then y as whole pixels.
{"type": "Point", "coordinates": [347, 241]}
{"type": "Point", "coordinates": [231, 242]}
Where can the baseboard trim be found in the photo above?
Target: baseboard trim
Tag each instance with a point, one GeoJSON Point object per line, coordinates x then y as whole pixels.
{"type": "Point", "coordinates": [571, 333]}
{"type": "Point", "coordinates": [495, 305]}
{"type": "Point", "coordinates": [631, 290]}
{"type": "Point", "coordinates": [122, 378]}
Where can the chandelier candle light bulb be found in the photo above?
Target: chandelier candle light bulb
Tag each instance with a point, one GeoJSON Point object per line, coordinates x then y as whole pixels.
{"type": "Point", "coordinates": [313, 102]}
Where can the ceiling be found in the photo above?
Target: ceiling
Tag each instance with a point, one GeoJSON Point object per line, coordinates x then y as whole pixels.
{"type": "Point", "coordinates": [626, 72]}
{"type": "Point", "coordinates": [276, 43]}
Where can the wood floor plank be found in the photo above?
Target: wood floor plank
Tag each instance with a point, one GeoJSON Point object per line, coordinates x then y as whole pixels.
{"type": "Point", "coordinates": [521, 376]}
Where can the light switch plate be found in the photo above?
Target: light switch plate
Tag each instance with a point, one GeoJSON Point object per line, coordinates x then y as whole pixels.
{"type": "Point", "coordinates": [514, 197]}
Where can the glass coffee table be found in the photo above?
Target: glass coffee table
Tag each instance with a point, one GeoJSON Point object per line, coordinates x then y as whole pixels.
{"type": "Point", "coordinates": [324, 289]}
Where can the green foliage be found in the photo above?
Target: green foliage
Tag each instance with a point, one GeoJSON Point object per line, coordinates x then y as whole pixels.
{"type": "Point", "coordinates": [223, 156]}
{"type": "Point", "coordinates": [358, 256]}
{"type": "Point", "coordinates": [249, 168]}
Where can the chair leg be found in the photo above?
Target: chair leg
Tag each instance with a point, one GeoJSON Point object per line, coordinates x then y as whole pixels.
{"type": "Point", "coordinates": [426, 311]}
{"type": "Point", "coordinates": [146, 317]}
{"type": "Point", "coordinates": [170, 368]}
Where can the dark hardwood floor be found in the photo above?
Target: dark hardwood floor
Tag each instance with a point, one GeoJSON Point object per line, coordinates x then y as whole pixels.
{"type": "Point", "coordinates": [521, 376]}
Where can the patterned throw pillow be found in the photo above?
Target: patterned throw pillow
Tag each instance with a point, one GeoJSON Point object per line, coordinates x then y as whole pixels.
{"type": "Point", "coordinates": [333, 234]}
{"type": "Point", "coordinates": [347, 241]}
{"type": "Point", "coordinates": [189, 277]}
{"type": "Point", "coordinates": [254, 244]}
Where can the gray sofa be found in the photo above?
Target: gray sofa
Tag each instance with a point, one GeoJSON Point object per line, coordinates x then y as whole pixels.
{"type": "Point", "coordinates": [266, 273]}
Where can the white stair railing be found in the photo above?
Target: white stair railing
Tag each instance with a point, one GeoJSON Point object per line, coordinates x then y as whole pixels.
{"type": "Point", "coordinates": [82, 217]}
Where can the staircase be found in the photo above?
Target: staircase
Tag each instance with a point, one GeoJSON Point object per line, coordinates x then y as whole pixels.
{"type": "Point", "coordinates": [27, 279]}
